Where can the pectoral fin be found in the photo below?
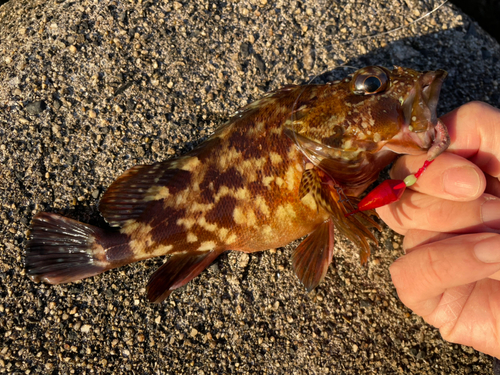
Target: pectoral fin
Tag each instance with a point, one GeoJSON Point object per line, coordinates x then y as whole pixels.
{"type": "Point", "coordinates": [311, 258]}
{"type": "Point", "coordinates": [178, 271]}
{"type": "Point", "coordinates": [329, 195]}
{"type": "Point", "coordinates": [310, 182]}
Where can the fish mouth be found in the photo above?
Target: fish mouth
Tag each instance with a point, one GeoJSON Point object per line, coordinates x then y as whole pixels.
{"type": "Point", "coordinates": [421, 124]}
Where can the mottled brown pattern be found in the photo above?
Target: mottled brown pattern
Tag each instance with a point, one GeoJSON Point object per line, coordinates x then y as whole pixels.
{"type": "Point", "coordinates": [223, 211]}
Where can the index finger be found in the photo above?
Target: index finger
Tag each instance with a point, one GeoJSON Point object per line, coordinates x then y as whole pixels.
{"type": "Point", "coordinates": [474, 130]}
{"type": "Point", "coordinates": [449, 177]}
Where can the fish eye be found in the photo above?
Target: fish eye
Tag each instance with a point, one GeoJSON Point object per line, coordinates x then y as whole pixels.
{"type": "Point", "coordinates": [372, 84]}
{"type": "Point", "coordinates": [370, 80]}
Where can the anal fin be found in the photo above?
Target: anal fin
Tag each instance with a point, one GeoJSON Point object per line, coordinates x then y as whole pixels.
{"type": "Point", "coordinates": [177, 272]}
{"type": "Point", "coordinates": [311, 258]}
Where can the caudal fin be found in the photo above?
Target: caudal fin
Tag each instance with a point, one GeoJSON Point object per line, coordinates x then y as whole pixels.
{"type": "Point", "coordinates": [63, 250]}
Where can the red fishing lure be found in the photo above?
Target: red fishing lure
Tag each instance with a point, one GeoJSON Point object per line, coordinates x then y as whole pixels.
{"type": "Point", "coordinates": [388, 191]}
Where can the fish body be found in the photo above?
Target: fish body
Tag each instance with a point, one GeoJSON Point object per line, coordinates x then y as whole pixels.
{"type": "Point", "coordinates": [287, 165]}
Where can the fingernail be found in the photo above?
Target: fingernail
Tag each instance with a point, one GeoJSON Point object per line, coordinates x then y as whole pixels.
{"type": "Point", "coordinates": [490, 213]}
{"type": "Point", "coordinates": [488, 250]}
{"type": "Point", "coordinates": [461, 182]}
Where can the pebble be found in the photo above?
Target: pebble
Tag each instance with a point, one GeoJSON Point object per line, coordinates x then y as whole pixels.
{"type": "Point", "coordinates": [130, 104]}
{"type": "Point", "coordinates": [72, 49]}
{"type": "Point", "coordinates": [308, 59]}
{"type": "Point", "coordinates": [36, 108]}
{"type": "Point", "coordinates": [243, 260]}
{"type": "Point", "coordinates": [245, 50]}
{"type": "Point", "coordinates": [92, 114]}
{"type": "Point", "coordinates": [85, 328]}
{"type": "Point", "coordinates": [56, 104]}
{"type": "Point", "coordinates": [261, 65]}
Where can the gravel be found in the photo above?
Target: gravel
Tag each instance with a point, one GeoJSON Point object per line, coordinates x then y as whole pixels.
{"type": "Point", "coordinates": [125, 83]}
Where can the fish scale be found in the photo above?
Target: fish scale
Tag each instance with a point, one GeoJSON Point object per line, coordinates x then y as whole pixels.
{"type": "Point", "coordinates": [288, 165]}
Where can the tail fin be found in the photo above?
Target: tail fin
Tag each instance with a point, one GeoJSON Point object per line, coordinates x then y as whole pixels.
{"type": "Point", "coordinates": [63, 250]}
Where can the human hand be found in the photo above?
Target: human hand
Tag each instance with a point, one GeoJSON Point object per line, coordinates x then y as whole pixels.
{"type": "Point", "coordinates": [451, 222]}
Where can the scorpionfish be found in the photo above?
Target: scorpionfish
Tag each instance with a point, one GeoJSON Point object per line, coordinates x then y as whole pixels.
{"type": "Point", "coordinates": [288, 165]}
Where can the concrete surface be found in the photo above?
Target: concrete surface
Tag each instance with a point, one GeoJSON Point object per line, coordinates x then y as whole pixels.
{"type": "Point", "coordinates": [123, 83]}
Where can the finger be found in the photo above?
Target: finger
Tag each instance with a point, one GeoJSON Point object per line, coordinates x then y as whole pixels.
{"type": "Point", "coordinates": [415, 238]}
{"type": "Point", "coordinates": [495, 276]}
{"type": "Point", "coordinates": [474, 130]}
{"type": "Point", "coordinates": [423, 212]}
{"type": "Point", "coordinates": [419, 237]}
{"type": "Point", "coordinates": [424, 274]}
{"type": "Point", "coordinates": [449, 176]}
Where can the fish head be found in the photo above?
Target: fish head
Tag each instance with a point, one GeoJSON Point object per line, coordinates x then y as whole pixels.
{"type": "Point", "coordinates": [420, 129]}
{"type": "Point", "coordinates": [370, 117]}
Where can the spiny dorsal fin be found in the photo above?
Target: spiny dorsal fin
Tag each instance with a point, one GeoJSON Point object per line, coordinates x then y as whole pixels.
{"type": "Point", "coordinates": [131, 193]}
{"type": "Point", "coordinates": [310, 260]}
{"type": "Point", "coordinates": [178, 271]}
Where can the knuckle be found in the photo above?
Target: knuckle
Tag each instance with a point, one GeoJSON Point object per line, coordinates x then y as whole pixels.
{"type": "Point", "coordinates": [474, 107]}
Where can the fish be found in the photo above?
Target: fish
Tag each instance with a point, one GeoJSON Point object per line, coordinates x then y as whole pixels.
{"type": "Point", "coordinates": [291, 164]}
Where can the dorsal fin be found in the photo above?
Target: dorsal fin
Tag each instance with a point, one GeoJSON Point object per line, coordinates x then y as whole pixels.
{"type": "Point", "coordinates": [131, 193]}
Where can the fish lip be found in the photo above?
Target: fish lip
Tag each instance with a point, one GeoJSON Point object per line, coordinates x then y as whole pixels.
{"type": "Point", "coordinates": [419, 108]}
{"type": "Point", "coordinates": [432, 83]}
{"type": "Point", "coordinates": [423, 99]}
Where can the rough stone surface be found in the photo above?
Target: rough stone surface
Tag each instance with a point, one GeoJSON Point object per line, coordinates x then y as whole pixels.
{"type": "Point", "coordinates": [138, 82]}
